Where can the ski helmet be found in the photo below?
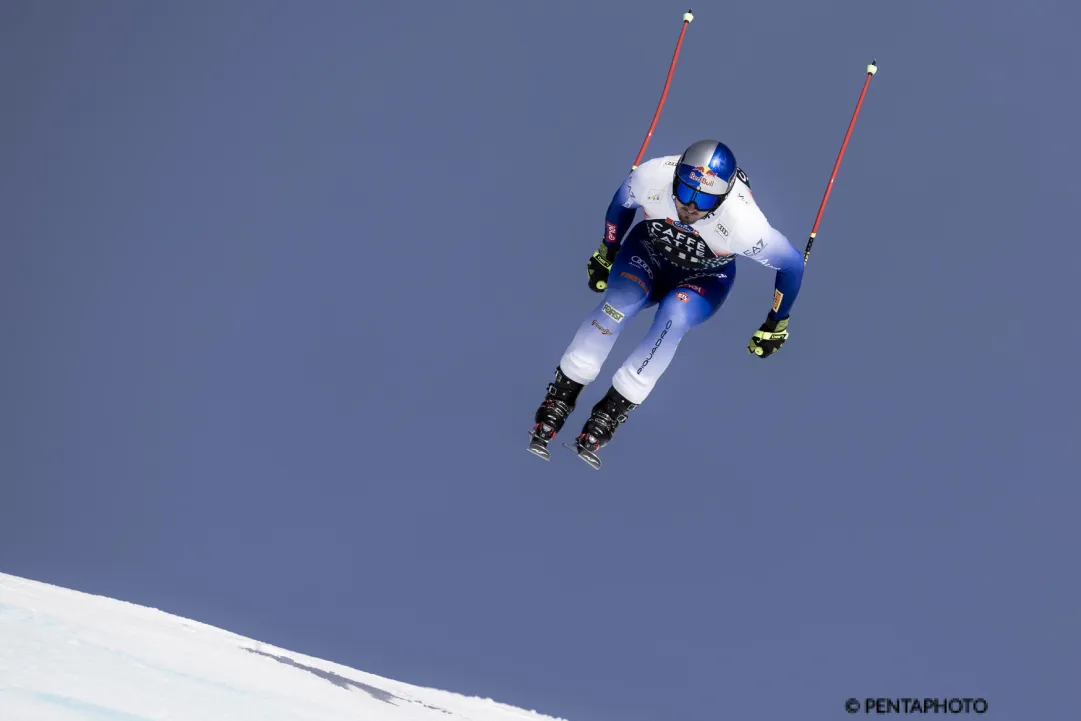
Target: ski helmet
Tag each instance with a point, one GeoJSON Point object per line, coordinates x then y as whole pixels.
{"type": "Point", "coordinates": [704, 175]}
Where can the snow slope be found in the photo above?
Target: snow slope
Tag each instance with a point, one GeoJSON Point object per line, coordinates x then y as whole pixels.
{"type": "Point", "coordinates": [67, 656]}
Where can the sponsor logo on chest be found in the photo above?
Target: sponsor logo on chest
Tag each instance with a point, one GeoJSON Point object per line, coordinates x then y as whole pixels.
{"type": "Point", "coordinates": [681, 245]}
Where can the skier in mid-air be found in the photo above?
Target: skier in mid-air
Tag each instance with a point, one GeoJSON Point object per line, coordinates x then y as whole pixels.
{"type": "Point", "coordinates": [699, 216]}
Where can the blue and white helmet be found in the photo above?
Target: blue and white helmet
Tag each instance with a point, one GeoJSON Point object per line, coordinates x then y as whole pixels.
{"type": "Point", "coordinates": [704, 175]}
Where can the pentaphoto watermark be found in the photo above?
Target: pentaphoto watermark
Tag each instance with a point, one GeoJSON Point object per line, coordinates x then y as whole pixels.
{"type": "Point", "coordinates": [870, 705]}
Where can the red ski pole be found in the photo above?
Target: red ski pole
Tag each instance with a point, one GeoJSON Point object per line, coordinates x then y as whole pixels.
{"type": "Point", "coordinates": [871, 70]}
{"type": "Point", "coordinates": [687, 18]}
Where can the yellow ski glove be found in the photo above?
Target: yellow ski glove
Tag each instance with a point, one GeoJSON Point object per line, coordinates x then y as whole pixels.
{"type": "Point", "coordinates": [769, 338]}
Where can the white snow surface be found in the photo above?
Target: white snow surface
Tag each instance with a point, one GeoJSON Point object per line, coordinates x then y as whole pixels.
{"type": "Point", "coordinates": [71, 656]}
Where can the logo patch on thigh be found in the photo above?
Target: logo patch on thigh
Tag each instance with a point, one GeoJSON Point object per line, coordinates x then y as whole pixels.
{"type": "Point", "coordinates": [630, 276]}
{"type": "Point", "coordinates": [613, 313]}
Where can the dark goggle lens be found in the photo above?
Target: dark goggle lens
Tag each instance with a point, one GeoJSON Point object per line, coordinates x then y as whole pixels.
{"type": "Point", "coordinates": [689, 196]}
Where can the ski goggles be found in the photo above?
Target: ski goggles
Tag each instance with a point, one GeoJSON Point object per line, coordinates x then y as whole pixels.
{"type": "Point", "coordinates": [699, 199]}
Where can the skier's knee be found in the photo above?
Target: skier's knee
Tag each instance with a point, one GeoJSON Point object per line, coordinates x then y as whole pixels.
{"type": "Point", "coordinates": [581, 367]}
{"type": "Point", "coordinates": [635, 388]}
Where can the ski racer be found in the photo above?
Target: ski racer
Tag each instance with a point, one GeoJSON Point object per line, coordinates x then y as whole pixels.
{"type": "Point", "coordinates": [699, 216]}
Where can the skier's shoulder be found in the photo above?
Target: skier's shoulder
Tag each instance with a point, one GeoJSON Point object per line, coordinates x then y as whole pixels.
{"type": "Point", "coordinates": [752, 236]}
{"type": "Point", "coordinates": [745, 228]}
{"type": "Point", "coordinates": [648, 181]}
{"type": "Point", "coordinates": [656, 170]}
{"type": "Point", "coordinates": [742, 211]}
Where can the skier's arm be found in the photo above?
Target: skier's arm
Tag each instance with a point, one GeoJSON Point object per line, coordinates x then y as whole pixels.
{"type": "Point", "coordinates": [617, 221]}
{"type": "Point", "coordinates": [620, 215]}
{"type": "Point", "coordinates": [787, 261]}
{"type": "Point", "coordinates": [778, 254]}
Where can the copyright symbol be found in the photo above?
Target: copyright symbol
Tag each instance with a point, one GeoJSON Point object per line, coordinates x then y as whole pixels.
{"type": "Point", "coordinates": [852, 705]}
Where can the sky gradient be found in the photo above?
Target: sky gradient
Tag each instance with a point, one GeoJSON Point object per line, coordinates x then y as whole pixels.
{"type": "Point", "coordinates": [283, 283]}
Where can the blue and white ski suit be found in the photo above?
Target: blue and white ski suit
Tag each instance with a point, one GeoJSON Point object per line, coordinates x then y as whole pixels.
{"type": "Point", "coordinates": [687, 269]}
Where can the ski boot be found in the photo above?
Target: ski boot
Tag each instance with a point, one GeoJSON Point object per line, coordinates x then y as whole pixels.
{"type": "Point", "coordinates": [557, 405]}
{"type": "Point", "coordinates": [609, 412]}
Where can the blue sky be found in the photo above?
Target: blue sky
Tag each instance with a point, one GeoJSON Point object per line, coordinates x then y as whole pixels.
{"type": "Point", "coordinates": [283, 283]}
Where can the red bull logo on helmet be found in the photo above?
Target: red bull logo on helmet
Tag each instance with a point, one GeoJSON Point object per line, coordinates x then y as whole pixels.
{"type": "Point", "coordinates": [704, 176]}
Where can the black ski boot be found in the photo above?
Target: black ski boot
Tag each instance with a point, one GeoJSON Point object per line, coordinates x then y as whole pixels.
{"type": "Point", "coordinates": [552, 414]}
{"type": "Point", "coordinates": [609, 412]}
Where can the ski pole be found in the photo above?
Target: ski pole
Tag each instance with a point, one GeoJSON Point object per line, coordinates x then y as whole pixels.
{"type": "Point", "coordinates": [871, 70]}
{"type": "Point", "coordinates": [687, 18]}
